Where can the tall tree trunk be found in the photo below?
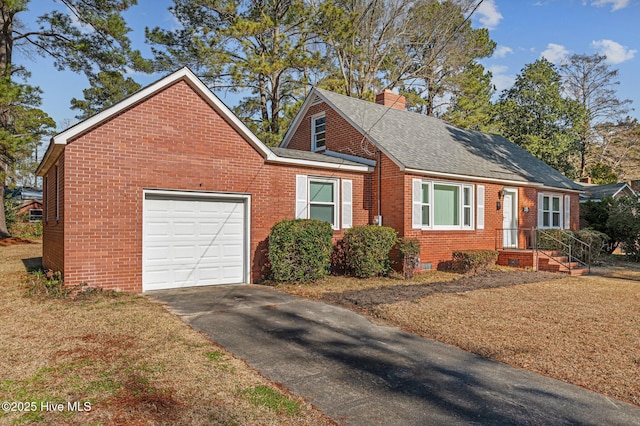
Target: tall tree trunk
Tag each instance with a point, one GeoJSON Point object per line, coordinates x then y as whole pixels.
{"type": "Point", "coordinates": [6, 40]}
{"type": "Point", "coordinates": [4, 232]}
{"type": "Point", "coordinates": [6, 46]}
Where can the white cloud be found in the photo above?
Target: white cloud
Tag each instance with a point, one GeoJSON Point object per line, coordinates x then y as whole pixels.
{"type": "Point", "coordinates": [615, 4]}
{"type": "Point", "coordinates": [615, 52]}
{"type": "Point", "coordinates": [488, 14]}
{"type": "Point", "coordinates": [554, 53]}
{"type": "Point", "coordinates": [500, 79]}
{"type": "Point", "coordinates": [502, 51]}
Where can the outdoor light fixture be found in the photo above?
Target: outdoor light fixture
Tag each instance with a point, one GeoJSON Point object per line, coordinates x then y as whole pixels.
{"type": "Point", "coordinates": [500, 194]}
{"type": "Point", "coordinates": [525, 209]}
{"type": "Point", "coordinates": [498, 205]}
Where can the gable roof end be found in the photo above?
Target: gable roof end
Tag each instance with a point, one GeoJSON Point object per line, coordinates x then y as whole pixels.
{"type": "Point", "coordinates": [57, 143]}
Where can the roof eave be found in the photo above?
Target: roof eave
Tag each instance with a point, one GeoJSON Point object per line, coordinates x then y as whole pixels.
{"type": "Point", "coordinates": [472, 178]}
{"type": "Point", "coordinates": [320, 164]}
{"type": "Point", "coordinates": [183, 74]}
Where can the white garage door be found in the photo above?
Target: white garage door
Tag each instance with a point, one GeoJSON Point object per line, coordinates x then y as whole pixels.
{"type": "Point", "coordinates": [192, 241]}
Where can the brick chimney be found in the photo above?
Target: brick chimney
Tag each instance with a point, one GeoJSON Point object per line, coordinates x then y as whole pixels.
{"type": "Point", "coordinates": [390, 99]}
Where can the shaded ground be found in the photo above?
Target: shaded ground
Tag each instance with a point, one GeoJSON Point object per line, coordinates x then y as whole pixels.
{"type": "Point", "coordinates": [12, 241]}
{"type": "Point", "coordinates": [131, 360]}
{"type": "Point", "coordinates": [366, 298]}
{"type": "Point", "coordinates": [581, 330]}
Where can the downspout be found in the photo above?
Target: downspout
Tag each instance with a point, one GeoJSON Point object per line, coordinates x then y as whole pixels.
{"type": "Point", "coordinates": [379, 188]}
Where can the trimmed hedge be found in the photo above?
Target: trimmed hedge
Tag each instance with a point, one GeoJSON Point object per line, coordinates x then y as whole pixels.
{"type": "Point", "coordinates": [367, 250]}
{"type": "Point", "coordinates": [299, 249]}
{"type": "Point", "coordinates": [474, 261]}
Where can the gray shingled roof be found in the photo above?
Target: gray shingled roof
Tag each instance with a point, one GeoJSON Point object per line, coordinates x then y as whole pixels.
{"type": "Point", "coordinates": [429, 144]}
{"type": "Point", "coordinates": [598, 192]}
{"type": "Point", "coordinates": [310, 156]}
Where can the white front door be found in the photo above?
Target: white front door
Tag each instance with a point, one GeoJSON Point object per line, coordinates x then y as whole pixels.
{"type": "Point", "coordinates": [510, 220]}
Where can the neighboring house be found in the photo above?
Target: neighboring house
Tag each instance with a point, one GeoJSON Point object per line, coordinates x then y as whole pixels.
{"type": "Point", "coordinates": [450, 188]}
{"type": "Point", "coordinates": [31, 210]}
{"type": "Point", "coordinates": [597, 193]}
{"type": "Point", "coordinates": [30, 202]}
{"type": "Point", "coordinates": [169, 189]}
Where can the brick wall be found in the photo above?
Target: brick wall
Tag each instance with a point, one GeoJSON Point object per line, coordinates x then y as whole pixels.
{"type": "Point", "coordinates": [173, 140]}
{"type": "Point", "coordinates": [436, 245]}
{"type": "Point", "coordinates": [52, 229]}
{"type": "Point", "coordinates": [340, 135]}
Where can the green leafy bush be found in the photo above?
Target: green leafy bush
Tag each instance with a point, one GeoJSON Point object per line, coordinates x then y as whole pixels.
{"type": "Point", "coordinates": [47, 283]}
{"type": "Point", "coordinates": [598, 241]}
{"type": "Point", "coordinates": [367, 250]}
{"type": "Point", "coordinates": [474, 261]}
{"type": "Point", "coordinates": [299, 249]}
{"type": "Point", "coordinates": [26, 229]}
{"type": "Point", "coordinates": [11, 208]}
{"type": "Point", "coordinates": [624, 225]}
{"type": "Point", "coordinates": [409, 251]}
{"type": "Point", "coordinates": [562, 240]}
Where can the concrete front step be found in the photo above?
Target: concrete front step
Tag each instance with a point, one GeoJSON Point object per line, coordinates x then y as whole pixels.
{"type": "Point", "coordinates": [559, 264]}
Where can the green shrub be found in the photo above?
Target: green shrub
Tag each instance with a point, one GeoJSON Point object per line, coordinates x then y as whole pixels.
{"type": "Point", "coordinates": [11, 208]}
{"type": "Point", "coordinates": [26, 229]}
{"type": "Point", "coordinates": [555, 239]}
{"type": "Point", "coordinates": [47, 283]}
{"type": "Point", "coordinates": [474, 261]}
{"type": "Point", "coordinates": [367, 250]}
{"type": "Point", "coordinates": [299, 249]}
{"type": "Point", "coordinates": [409, 252]}
{"type": "Point", "coordinates": [598, 241]}
{"type": "Point", "coordinates": [552, 239]}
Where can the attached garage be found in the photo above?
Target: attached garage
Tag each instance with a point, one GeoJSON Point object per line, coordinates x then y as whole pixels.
{"type": "Point", "coordinates": [194, 239]}
{"type": "Point", "coordinates": [181, 192]}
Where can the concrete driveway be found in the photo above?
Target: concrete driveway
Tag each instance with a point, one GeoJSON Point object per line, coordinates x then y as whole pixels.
{"type": "Point", "coordinates": [362, 373]}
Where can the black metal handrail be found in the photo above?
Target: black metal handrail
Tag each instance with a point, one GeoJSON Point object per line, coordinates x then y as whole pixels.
{"type": "Point", "coordinates": [576, 250]}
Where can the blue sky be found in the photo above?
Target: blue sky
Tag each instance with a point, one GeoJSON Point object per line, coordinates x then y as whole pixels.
{"type": "Point", "coordinates": [524, 30]}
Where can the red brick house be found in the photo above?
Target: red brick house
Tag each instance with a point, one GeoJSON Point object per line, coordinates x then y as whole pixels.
{"type": "Point", "coordinates": [169, 189]}
{"type": "Point", "coordinates": [450, 188]}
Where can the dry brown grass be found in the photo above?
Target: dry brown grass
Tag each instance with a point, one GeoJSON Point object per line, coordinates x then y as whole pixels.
{"type": "Point", "coordinates": [133, 361]}
{"type": "Point", "coordinates": [582, 330]}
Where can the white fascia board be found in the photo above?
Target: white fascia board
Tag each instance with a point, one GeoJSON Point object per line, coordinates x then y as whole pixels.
{"type": "Point", "coordinates": [626, 185]}
{"type": "Point", "coordinates": [320, 164]}
{"type": "Point", "coordinates": [474, 178]}
{"type": "Point", "coordinates": [184, 74]}
{"type": "Point", "coordinates": [51, 154]}
{"type": "Point", "coordinates": [557, 189]}
{"type": "Point", "coordinates": [349, 157]}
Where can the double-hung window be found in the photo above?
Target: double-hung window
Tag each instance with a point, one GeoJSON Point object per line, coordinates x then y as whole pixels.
{"type": "Point", "coordinates": [318, 132]}
{"type": "Point", "coordinates": [324, 198]}
{"type": "Point", "coordinates": [550, 211]}
{"type": "Point", "coordinates": [442, 205]}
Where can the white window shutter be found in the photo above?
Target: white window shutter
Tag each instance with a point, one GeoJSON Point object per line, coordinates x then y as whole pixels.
{"type": "Point", "coordinates": [540, 202]}
{"type": "Point", "coordinates": [301, 197]}
{"type": "Point", "coordinates": [347, 205]}
{"type": "Point", "coordinates": [567, 212]}
{"type": "Point", "coordinates": [480, 219]}
{"type": "Point", "coordinates": [416, 197]}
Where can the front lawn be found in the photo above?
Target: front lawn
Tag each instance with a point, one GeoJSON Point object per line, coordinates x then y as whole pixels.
{"type": "Point", "coordinates": [582, 330]}
{"type": "Point", "coordinates": [125, 359]}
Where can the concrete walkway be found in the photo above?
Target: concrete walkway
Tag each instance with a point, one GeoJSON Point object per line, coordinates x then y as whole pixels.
{"type": "Point", "coordinates": [361, 373]}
